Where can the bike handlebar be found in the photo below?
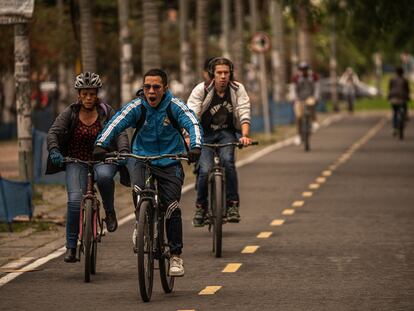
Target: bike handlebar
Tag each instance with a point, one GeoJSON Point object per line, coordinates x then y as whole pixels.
{"type": "Point", "coordinates": [75, 160]}
{"type": "Point", "coordinates": [237, 144]}
{"type": "Point", "coordinates": [119, 155]}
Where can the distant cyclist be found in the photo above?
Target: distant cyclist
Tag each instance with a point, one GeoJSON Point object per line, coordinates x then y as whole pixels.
{"type": "Point", "coordinates": [223, 107]}
{"type": "Point", "coordinates": [398, 95]}
{"type": "Point", "coordinates": [73, 134]}
{"type": "Point", "coordinates": [306, 92]}
{"type": "Point", "coordinates": [349, 81]}
{"type": "Point", "coordinates": [153, 113]}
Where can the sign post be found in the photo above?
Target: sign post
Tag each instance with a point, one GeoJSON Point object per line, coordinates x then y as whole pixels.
{"type": "Point", "coordinates": [19, 12]}
{"type": "Point", "coordinates": [260, 44]}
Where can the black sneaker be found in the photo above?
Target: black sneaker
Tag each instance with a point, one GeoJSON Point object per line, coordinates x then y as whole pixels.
{"type": "Point", "coordinates": [233, 214]}
{"type": "Point", "coordinates": [70, 255]}
{"type": "Point", "coordinates": [199, 217]}
{"type": "Point", "coordinates": [111, 222]}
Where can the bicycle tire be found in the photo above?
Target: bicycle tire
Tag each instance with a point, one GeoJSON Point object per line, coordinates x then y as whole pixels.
{"type": "Point", "coordinates": [167, 281]}
{"type": "Point", "coordinates": [217, 201]}
{"type": "Point", "coordinates": [306, 133]}
{"type": "Point", "coordinates": [401, 123]}
{"type": "Point", "coordinates": [87, 238]}
{"type": "Point", "coordinates": [145, 256]}
{"type": "Point", "coordinates": [94, 254]}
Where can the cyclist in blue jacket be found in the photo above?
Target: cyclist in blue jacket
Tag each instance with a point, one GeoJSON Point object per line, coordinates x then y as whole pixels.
{"type": "Point", "coordinates": [151, 113]}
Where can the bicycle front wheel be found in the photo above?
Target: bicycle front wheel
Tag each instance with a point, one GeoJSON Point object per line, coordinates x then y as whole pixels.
{"type": "Point", "coordinates": [401, 123]}
{"type": "Point", "coordinates": [145, 256]}
{"type": "Point", "coordinates": [167, 281]}
{"type": "Point", "coordinates": [306, 128]}
{"type": "Point", "coordinates": [87, 238]}
{"type": "Point", "coordinates": [217, 202]}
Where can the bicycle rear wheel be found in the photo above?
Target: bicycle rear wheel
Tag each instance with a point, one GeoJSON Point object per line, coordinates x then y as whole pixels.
{"type": "Point", "coordinates": [145, 256]}
{"type": "Point", "coordinates": [306, 128]}
{"type": "Point", "coordinates": [217, 210]}
{"type": "Point", "coordinates": [401, 123]}
{"type": "Point", "coordinates": [87, 238]}
{"type": "Point", "coordinates": [167, 281]}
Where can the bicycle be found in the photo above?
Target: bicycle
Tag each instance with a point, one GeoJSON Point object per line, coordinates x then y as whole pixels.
{"type": "Point", "coordinates": [306, 125]}
{"type": "Point", "coordinates": [216, 215]}
{"type": "Point", "coordinates": [90, 222]}
{"type": "Point", "coordinates": [400, 118]}
{"type": "Point", "coordinates": [150, 240]}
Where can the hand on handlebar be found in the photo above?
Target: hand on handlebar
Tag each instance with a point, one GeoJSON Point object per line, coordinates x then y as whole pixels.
{"type": "Point", "coordinates": [99, 153]}
{"type": "Point", "coordinates": [193, 155]}
{"type": "Point", "coordinates": [245, 140]}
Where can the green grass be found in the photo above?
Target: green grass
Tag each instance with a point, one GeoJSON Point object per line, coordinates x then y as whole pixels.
{"type": "Point", "coordinates": [372, 104]}
{"type": "Point", "coordinates": [19, 226]}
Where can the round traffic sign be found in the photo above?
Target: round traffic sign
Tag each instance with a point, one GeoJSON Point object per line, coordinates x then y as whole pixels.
{"type": "Point", "coordinates": [260, 42]}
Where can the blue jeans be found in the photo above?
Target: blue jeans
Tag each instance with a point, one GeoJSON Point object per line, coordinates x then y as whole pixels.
{"type": "Point", "coordinates": [76, 183]}
{"type": "Point", "coordinates": [227, 161]}
{"type": "Point", "coordinates": [395, 109]}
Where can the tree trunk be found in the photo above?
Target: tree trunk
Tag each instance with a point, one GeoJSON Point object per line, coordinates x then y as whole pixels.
{"type": "Point", "coordinates": [332, 68]}
{"type": "Point", "coordinates": [202, 35]}
{"type": "Point", "coordinates": [185, 53]}
{"type": "Point", "coordinates": [151, 57]}
{"type": "Point", "coordinates": [278, 51]}
{"type": "Point", "coordinates": [63, 91]}
{"type": "Point", "coordinates": [24, 110]}
{"type": "Point", "coordinates": [238, 44]}
{"type": "Point", "coordinates": [225, 27]}
{"type": "Point", "coordinates": [303, 33]}
{"type": "Point", "coordinates": [87, 35]}
{"type": "Point", "coordinates": [253, 81]}
{"type": "Point", "coordinates": [9, 93]}
{"type": "Point", "coordinates": [125, 51]}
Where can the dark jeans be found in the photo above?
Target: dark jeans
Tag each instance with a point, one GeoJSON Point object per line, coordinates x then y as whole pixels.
{"type": "Point", "coordinates": [395, 111]}
{"type": "Point", "coordinates": [227, 161]}
{"type": "Point", "coordinates": [76, 183]}
{"type": "Point", "coordinates": [169, 181]}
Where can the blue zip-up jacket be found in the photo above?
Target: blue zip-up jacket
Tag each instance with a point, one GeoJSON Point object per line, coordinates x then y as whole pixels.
{"type": "Point", "coordinates": [157, 135]}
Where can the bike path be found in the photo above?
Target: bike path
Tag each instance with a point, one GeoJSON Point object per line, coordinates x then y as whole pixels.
{"type": "Point", "coordinates": [346, 248]}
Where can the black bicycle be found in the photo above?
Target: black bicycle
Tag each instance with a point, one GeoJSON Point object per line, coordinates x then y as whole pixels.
{"type": "Point", "coordinates": [306, 125]}
{"type": "Point", "coordinates": [90, 223]}
{"type": "Point", "coordinates": [150, 239]}
{"type": "Point", "coordinates": [216, 215]}
{"type": "Point", "coordinates": [400, 116]}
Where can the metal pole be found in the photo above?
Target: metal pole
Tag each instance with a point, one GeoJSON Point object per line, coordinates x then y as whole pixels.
{"type": "Point", "coordinates": [24, 110]}
{"type": "Point", "coordinates": [263, 91]}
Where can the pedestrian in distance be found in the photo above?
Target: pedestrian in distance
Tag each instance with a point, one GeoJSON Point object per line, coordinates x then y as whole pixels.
{"type": "Point", "coordinates": [153, 114]}
{"type": "Point", "coordinates": [223, 108]}
{"type": "Point", "coordinates": [349, 81]}
{"type": "Point", "coordinates": [73, 134]}
{"type": "Point", "coordinates": [398, 95]}
{"type": "Point", "coordinates": [306, 92]}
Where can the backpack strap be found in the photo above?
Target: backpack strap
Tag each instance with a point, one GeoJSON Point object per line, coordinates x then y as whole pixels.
{"type": "Point", "coordinates": [140, 122]}
{"type": "Point", "coordinates": [175, 124]}
{"type": "Point", "coordinates": [104, 108]}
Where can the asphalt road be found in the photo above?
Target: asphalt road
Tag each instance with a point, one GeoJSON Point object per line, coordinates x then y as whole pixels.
{"type": "Point", "coordinates": [348, 246]}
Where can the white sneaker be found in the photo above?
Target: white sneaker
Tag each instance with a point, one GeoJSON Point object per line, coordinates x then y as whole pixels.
{"type": "Point", "coordinates": [315, 126]}
{"type": "Point", "coordinates": [176, 266]}
{"type": "Point", "coordinates": [134, 235]}
{"type": "Point", "coordinates": [296, 140]}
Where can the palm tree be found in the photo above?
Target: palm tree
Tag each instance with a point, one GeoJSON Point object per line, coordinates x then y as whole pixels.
{"type": "Point", "coordinates": [125, 49]}
{"type": "Point", "coordinates": [202, 35]}
{"type": "Point", "coordinates": [87, 36]}
{"type": "Point", "coordinates": [151, 57]}
{"type": "Point", "coordinates": [303, 31]}
{"type": "Point", "coordinates": [185, 54]}
{"type": "Point", "coordinates": [238, 44]}
{"type": "Point", "coordinates": [278, 51]}
{"type": "Point", "coordinates": [225, 27]}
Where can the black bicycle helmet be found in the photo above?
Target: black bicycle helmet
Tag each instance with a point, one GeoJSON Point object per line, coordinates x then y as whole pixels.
{"type": "Point", "coordinates": [88, 80]}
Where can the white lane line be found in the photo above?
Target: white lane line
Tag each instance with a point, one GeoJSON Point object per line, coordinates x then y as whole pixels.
{"type": "Point", "coordinates": [210, 290]}
{"type": "Point", "coordinates": [17, 263]}
{"type": "Point", "coordinates": [264, 234]}
{"type": "Point", "coordinates": [277, 222]}
{"type": "Point", "coordinates": [231, 268]}
{"type": "Point", "coordinates": [252, 158]}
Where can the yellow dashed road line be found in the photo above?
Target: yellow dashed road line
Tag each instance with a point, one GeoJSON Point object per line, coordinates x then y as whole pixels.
{"type": "Point", "coordinates": [250, 249]}
{"type": "Point", "coordinates": [298, 203]}
{"type": "Point", "coordinates": [327, 173]}
{"type": "Point", "coordinates": [307, 194]}
{"type": "Point", "coordinates": [264, 234]}
{"type": "Point", "coordinates": [277, 222]}
{"type": "Point", "coordinates": [320, 180]}
{"type": "Point", "coordinates": [288, 211]}
{"type": "Point", "coordinates": [210, 290]}
{"type": "Point", "coordinates": [313, 186]}
{"type": "Point", "coordinates": [231, 267]}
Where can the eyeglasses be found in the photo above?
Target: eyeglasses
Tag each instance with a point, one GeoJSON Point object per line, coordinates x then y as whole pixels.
{"type": "Point", "coordinates": [156, 87]}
